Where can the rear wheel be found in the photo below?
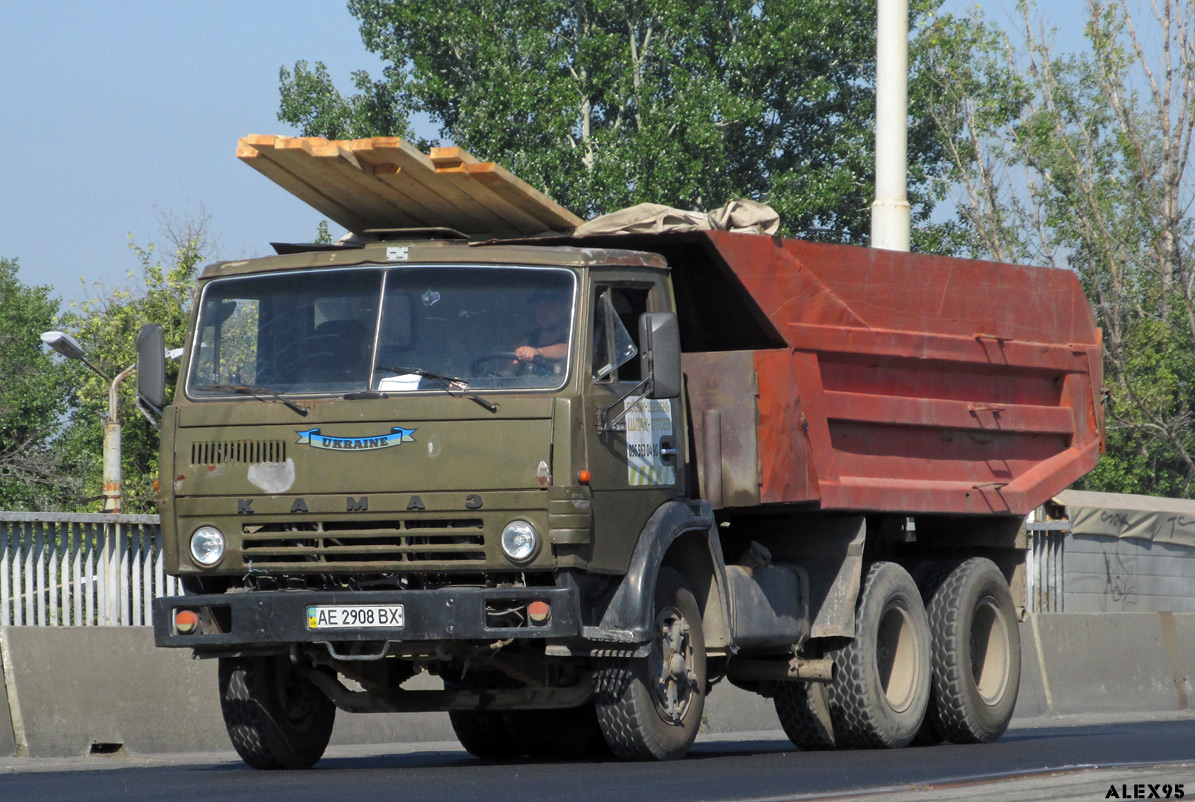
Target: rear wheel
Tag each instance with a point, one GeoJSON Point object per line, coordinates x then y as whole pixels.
{"type": "Point", "coordinates": [275, 717]}
{"type": "Point", "coordinates": [649, 708]}
{"type": "Point", "coordinates": [804, 712]}
{"type": "Point", "coordinates": [881, 686]}
{"type": "Point", "coordinates": [976, 653]}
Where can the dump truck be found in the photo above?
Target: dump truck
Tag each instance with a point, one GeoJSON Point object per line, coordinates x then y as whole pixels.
{"type": "Point", "coordinates": [577, 479]}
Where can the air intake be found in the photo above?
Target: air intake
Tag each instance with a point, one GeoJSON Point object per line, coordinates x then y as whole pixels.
{"type": "Point", "coordinates": [231, 451]}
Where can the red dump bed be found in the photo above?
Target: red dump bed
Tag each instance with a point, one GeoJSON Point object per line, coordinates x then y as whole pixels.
{"type": "Point", "coordinates": [880, 380]}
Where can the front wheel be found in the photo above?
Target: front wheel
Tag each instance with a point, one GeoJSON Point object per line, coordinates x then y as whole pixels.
{"type": "Point", "coordinates": [563, 734]}
{"type": "Point", "coordinates": [275, 717]}
{"type": "Point", "coordinates": [649, 708]}
{"type": "Point", "coordinates": [483, 734]}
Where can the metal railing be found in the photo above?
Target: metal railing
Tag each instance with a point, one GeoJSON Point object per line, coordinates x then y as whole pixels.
{"type": "Point", "coordinates": [72, 569]}
{"type": "Point", "coordinates": [1044, 565]}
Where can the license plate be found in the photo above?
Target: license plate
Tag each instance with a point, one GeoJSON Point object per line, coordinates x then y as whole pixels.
{"type": "Point", "coordinates": [355, 616]}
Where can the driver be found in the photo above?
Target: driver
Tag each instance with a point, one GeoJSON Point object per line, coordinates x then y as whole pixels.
{"type": "Point", "coordinates": [549, 339]}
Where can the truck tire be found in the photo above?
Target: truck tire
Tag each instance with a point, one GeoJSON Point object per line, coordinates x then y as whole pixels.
{"type": "Point", "coordinates": [564, 734]}
{"type": "Point", "coordinates": [804, 712]}
{"type": "Point", "coordinates": [483, 734]}
{"type": "Point", "coordinates": [881, 686]}
{"type": "Point", "coordinates": [276, 718]}
{"type": "Point", "coordinates": [976, 653]}
{"type": "Point", "coordinates": [929, 575]}
{"type": "Point", "coordinates": [649, 708]}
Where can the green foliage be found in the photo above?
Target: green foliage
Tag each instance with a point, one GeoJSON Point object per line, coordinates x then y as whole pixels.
{"type": "Point", "coordinates": [107, 327]}
{"type": "Point", "coordinates": [310, 100]}
{"type": "Point", "coordinates": [323, 236]}
{"type": "Point", "coordinates": [1078, 161]}
{"type": "Point", "coordinates": [33, 398]}
{"type": "Point", "coordinates": [604, 104]}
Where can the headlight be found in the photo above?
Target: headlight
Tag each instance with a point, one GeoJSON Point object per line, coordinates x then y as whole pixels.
{"type": "Point", "coordinates": [207, 545]}
{"type": "Point", "coordinates": [520, 541]}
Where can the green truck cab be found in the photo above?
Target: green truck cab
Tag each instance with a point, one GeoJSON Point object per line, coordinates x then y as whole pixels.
{"type": "Point", "coordinates": [362, 474]}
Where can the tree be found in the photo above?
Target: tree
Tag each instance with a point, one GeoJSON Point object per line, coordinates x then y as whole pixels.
{"type": "Point", "coordinates": [603, 104]}
{"type": "Point", "coordinates": [1079, 161]}
{"type": "Point", "coordinates": [33, 399]}
{"type": "Point", "coordinates": [107, 328]}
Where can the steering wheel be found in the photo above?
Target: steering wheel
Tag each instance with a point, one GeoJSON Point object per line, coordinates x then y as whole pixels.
{"type": "Point", "coordinates": [318, 351]}
{"type": "Point", "coordinates": [504, 364]}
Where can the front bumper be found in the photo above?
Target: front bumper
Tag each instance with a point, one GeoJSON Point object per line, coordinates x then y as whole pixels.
{"type": "Point", "coordinates": [278, 618]}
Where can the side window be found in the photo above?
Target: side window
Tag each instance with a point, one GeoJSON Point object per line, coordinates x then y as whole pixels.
{"type": "Point", "coordinates": [616, 333]}
{"type": "Point", "coordinates": [228, 346]}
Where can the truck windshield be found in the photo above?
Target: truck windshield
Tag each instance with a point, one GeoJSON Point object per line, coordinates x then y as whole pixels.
{"type": "Point", "coordinates": [391, 330]}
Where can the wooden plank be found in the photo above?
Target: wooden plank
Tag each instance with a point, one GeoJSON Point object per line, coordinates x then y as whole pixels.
{"type": "Point", "coordinates": [472, 219]}
{"type": "Point", "coordinates": [385, 182]}
{"type": "Point", "coordinates": [516, 218]}
{"type": "Point", "coordinates": [259, 158]}
{"type": "Point", "coordinates": [522, 195]}
{"type": "Point", "coordinates": [337, 180]}
{"type": "Point", "coordinates": [400, 164]}
{"type": "Point", "coordinates": [452, 157]}
{"type": "Point", "coordinates": [386, 161]}
{"type": "Point", "coordinates": [371, 199]}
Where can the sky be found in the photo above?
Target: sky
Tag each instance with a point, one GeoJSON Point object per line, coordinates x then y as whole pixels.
{"type": "Point", "coordinates": [115, 113]}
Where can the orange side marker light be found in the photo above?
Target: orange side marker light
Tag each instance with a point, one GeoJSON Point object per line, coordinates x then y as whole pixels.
{"type": "Point", "coordinates": [539, 611]}
{"type": "Point", "coordinates": [186, 622]}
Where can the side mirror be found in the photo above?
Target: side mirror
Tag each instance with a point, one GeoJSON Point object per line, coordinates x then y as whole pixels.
{"type": "Point", "coordinates": [151, 366]}
{"type": "Point", "coordinates": [659, 335]}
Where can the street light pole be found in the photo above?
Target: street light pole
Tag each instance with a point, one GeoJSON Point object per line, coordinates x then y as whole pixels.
{"type": "Point", "coordinates": [890, 215]}
{"type": "Point", "coordinates": [112, 478]}
{"type": "Point", "coordinates": [70, 348]}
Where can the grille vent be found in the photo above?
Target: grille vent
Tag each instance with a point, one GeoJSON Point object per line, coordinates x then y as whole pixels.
{"type": "Point", "coordinates": [415, 543]}
{"type": "Point", "coordinates": [247, 451]}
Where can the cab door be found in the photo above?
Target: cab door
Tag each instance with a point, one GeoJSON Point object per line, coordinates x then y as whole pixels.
{"type": "Point", "coordinates": [635, 462]}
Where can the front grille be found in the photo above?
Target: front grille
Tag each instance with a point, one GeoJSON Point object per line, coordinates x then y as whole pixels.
{"type": "Point", "coordinates": [219, 452]}
{"type": "Point", "coordinates": [404, 544]}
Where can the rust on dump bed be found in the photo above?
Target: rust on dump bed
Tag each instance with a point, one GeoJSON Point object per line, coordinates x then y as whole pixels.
{"type": "Point", "coordinates": [886, 381]}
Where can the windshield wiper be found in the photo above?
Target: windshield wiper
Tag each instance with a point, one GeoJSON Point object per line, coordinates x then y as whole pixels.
{"type": "Point", "coordinates": [449, 383]}
{"type": "Point", "coordinates": [260, 393]}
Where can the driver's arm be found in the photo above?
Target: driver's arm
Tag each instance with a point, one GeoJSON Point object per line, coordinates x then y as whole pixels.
{"type": "Point", "coordinates": [526, 353]}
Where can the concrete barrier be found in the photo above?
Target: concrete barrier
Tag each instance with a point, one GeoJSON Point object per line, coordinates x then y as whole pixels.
{"type": "Point", "coordinates": [1103, 663]}
{"type": "Point", "coordinates": [70, 691]}
{"type": "Point", "coordinates": [79, 690]}
{"type": "Point", "coordinates": [1031, 699]}
{"type": "Point", "coordinates": [8, 741]}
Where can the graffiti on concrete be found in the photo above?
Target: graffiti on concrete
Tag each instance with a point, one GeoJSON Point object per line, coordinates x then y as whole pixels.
{"type": "Point", "coordinates": [1120, 584]}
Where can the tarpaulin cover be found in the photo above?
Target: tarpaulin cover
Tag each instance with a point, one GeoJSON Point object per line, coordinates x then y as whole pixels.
{"type": "Point", "coordinates": [1164, 520]}
{"type": "Point", "coordinates": [740, 216]}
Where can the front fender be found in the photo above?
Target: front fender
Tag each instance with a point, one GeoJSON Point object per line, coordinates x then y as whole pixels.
{"type": "Point", "coordinates": [629, 615]}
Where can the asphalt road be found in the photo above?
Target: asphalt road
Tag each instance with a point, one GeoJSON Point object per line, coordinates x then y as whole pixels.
{"type": "Point", "coordinates": [1047, 757]}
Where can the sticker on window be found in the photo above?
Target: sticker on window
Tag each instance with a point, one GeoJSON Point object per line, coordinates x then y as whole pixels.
{"type": "Point", "coordinates": [648, 423]}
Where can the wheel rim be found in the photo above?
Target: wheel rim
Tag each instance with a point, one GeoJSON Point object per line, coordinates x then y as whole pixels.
{"type": "Point", "coordinates": [989, 651]}
{"type": "Point", "coordinates": [673, 677]}
{"type": "Point", "coordinates": [896, 657]}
